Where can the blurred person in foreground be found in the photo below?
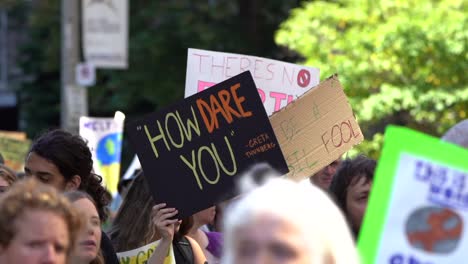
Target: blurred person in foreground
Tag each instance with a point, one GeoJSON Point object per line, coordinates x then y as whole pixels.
{"type": "Point", "coordinates": [7, 178]}
{"type": "Point", "coordinates": [88, 246]}
{"type": "Point", "coordinates": [351, 187]}
{"type": "Point", "coordinates": [63, 160]}
{"type": "Point", "coordinates": [458, 134]}
{"type": "Point", "coordinates": [37, 225]}
{"type": "Point", "coordinates": [286, 222]}
{"type": "Point", "coordinates": [324, 177]}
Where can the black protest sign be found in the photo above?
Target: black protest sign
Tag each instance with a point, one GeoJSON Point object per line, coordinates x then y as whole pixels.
{"type": "Point", "coordinates": [193, 151]}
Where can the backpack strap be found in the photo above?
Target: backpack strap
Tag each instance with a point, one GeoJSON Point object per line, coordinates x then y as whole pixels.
{"type": "Point", "coordinates": [183, 252]}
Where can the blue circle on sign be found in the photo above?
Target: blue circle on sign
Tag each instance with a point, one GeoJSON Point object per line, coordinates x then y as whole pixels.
{"type": "Point", "coordinates": [109, 149]}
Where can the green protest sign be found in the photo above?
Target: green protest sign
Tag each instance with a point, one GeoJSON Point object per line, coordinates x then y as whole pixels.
{"type": "Point", "coordinates": [418, 207]}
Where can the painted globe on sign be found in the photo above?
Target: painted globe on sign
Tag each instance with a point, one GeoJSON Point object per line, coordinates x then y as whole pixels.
{"type": "Point", "coordinates": [434, 229]}
{"type": "Point", "coordinates": [109, 148]}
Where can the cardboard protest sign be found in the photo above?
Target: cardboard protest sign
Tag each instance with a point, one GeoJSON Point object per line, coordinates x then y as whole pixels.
{"type": "Point", "coordinates": [143, 254]}
{"type": "Point", "coordinates": [192, 151]}
{"type": "Point", "coordinates": [316, 129]}
{"type": "Point", "coordinates": [418, 207]}
{"type": "Point", "coordinates": [13, 134]}
{"type": "Point", "coordinates": [278, 83]}
{"type": "Point", "coordinates": [104, 136]}
{"type": "Point", "coordinates": [14, 151]}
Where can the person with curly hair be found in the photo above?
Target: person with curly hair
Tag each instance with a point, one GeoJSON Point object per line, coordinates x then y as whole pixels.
{"type": "Point", "coordinates": [37, 225]}
{"type": "Point", "coordinates": [63, 160]}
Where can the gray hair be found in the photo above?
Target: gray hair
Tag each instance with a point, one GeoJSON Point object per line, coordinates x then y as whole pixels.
{"type": "Point", "coordinates": [303, 205]}
{"type": "Point", "coordinates": [458, 134]}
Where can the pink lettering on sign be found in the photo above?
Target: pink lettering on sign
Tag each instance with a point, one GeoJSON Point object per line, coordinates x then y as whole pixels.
{"type": "Point", "coordinates": [339, 134]}
{"type": "Point", "coordinates": [244, 64]}
{"type": "Point", "coordinates": [262, 94]}
{"type": "Point", "coordinates": [200, 62]}
{"type": "Point", "coordinates": [229, 65]}
{"type": "Point", "coordinates": [289, 76]}
{"type": "Point", "coordinates": [277, 96]}
{"type": "Point", "coordinates": [203, 85]}
{"type": "Point", "coordinates": [257, 67]}
{"type": "Point", "coordinates": [215, 66]}
{"type": "Point", "coordinates": [271, 71]}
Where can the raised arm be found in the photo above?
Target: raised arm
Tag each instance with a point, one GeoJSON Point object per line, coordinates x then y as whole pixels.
{"type": "Point", "coordinates": [199, 257]}
{"type": "Point", "coordinates": [165, 227]}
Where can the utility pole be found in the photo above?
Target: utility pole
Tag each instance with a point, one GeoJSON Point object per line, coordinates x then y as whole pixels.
{"type": "Point", "coordinates": [3, 50]}
{"type": "Point", "coordinates": [74, 98]}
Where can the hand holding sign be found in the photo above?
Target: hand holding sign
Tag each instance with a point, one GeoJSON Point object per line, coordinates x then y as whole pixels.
{"type": "Point", "coordinates": [192, 152]}
{"type": "Point", "coordinates": [161, 216]}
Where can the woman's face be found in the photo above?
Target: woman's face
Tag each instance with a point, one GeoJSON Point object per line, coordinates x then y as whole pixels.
{"type": "Point", "coordinates": [89, 238]}
{"type": "Point", "coordinates": [356, 201]}
{"type": "Point", "coordinates": [41, 237]}
{"type": "Point", "coordinates": [270, 239]}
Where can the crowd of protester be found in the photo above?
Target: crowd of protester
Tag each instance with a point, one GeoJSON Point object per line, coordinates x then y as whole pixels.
{"type": "Point", "coordinates": [55, 213]}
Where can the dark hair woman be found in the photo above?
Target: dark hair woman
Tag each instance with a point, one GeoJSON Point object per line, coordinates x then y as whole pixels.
{"type": "Point", "coordinates": [351, 186]}
{"type": "Point", "coordinates": [63, 160]}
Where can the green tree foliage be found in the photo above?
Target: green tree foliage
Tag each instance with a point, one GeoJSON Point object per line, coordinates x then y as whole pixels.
{"type": "Point", "coordinates": [160, 32]}
{"type": "Point", "coordinates": [39, 93]}
{"type": "Point", "coordinates": [401, 62]}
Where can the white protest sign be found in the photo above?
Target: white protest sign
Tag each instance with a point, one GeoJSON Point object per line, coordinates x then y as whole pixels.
{"type": "Point", "coordinates": [105, 33]}
{"type": "Point", "coordinates": [278, 83]}
{"type": "Point", "coordinates": [104, 136]}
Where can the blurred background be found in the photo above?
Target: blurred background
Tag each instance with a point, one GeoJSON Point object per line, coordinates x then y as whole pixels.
{"type": "Point", "coordinates": [401, 62]}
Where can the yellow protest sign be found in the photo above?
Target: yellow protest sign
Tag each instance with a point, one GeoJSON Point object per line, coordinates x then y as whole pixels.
{"type": "Point", "coordinates": [14, 151]}
{"type": "Point", "coordinates": [142, 254]}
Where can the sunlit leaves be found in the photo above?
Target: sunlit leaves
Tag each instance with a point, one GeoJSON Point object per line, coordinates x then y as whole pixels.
{"type": "Point", "coordinates": [402, 62]}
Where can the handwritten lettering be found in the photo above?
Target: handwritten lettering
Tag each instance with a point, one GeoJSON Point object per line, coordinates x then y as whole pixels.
{"type": "Point", "coordinates": [339, 134]}
{"type": "Point", "coordinates": [230, 65]}
{"type": "Point", "coordinates": [260, 149]}
{"type": "Point", "coordinates": [258, 140]}
{"type": "Point", "coordinates": [185, 131]}
{"type": "Point", "coordinates": [399, 258]}
{"type": "Point", "coordinates": [288, 127]}
{"type": "Point", "coordinates": [214, 155]}
{"type": "Point", "coordinates": [104, 125]}
{"type": "Point", "coordinates": [209, 112]}
{"type": "Point", "coordinates": [446, 186]}
{"type": "Point", "coordinates": [278, 97]}
{"type": "Point", "coordinates": [298, 162]}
